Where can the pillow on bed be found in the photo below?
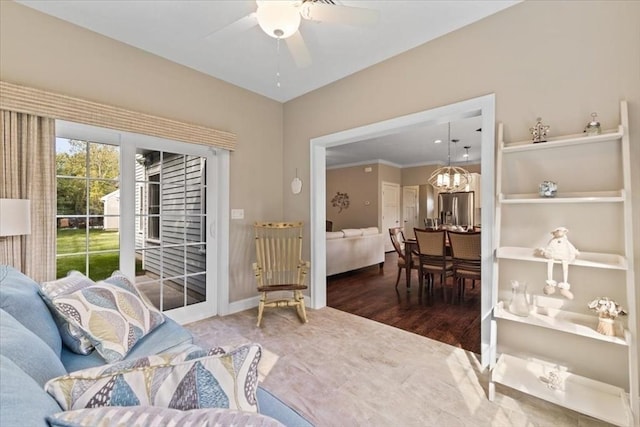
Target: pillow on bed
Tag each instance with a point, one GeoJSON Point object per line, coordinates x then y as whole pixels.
{"type": "Point", "coordinates": [227, 380]}
{"type": "Point", "coordinates": [334, 235]}
{"type": "Point", "coordinates": [352, 232]}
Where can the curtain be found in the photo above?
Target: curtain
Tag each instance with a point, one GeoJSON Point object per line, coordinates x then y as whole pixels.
{"type": "Point", "coordinates": [27, 171]}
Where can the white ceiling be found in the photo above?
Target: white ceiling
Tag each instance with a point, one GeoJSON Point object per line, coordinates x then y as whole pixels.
{"type": "Point", "coordinates": [414, 147]}
{"type": "Point", "coordinates": [188, 32]}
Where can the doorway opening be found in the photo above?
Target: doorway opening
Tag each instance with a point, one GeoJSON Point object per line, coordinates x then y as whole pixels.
{"type": "Point", "coordinates": [482, 106]}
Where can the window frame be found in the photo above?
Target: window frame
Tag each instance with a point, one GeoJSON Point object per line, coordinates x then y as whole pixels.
{"type": "Point", "coordinates": [217, 208]}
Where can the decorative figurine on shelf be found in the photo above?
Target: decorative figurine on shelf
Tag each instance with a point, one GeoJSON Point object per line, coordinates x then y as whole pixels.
{"type": "Point", "coordinates": [607, 310]}
{"type": "Point", "coordinates": [548, 189]}
{"type": "Point", "coordinates": [558, 249]}
{"type": "Point", "coordinates": [593, 127]}
{"type": "Point", "coordinates": [539, 131]}
{"type": "Point", "coordinates": [554, 380]}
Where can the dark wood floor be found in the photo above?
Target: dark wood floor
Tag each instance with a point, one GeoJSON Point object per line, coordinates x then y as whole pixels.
{"type": "Point", "coordinates": [371, 293]}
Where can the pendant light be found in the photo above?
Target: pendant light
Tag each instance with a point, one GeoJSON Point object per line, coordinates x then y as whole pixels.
{"type": "Point", "coordinates": [449, 179]}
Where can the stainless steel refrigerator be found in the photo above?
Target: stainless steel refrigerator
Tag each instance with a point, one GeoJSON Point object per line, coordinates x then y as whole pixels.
{"type": "Point", "coordinates": [456, 208]}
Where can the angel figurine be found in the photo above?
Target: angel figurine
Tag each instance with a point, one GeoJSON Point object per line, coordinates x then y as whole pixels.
{"type": "Point", "coordinates": [559, 249]}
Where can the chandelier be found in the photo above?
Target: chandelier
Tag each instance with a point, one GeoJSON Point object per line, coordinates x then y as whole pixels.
{"type": "Point", "coordinates": [449, 179]}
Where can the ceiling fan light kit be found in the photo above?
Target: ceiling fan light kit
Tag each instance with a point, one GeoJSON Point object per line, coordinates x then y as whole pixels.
{"type": "Point", "coordinates": [281, 19]}
{"type": "Point", "coordinates": [278, 18]}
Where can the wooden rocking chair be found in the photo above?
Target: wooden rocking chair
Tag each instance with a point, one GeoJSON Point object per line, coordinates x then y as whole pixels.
{"type": "Point", "coordinates": [279, 266]}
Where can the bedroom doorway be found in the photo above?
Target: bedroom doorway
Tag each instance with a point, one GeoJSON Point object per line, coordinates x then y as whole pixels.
{"type": "Point", "coordinates": [483, 107]}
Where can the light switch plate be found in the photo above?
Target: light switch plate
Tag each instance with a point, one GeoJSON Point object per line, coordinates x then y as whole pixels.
{"type": "Point", "coordinates": [237, 213]}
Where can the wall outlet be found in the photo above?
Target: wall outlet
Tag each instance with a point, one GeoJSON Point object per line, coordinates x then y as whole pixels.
{"type": "Point", "coordinates": [237, 213]}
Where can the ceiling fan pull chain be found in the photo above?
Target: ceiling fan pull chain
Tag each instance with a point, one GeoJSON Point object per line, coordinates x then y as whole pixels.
{"type": "Point", "coordinates": [278, 62]}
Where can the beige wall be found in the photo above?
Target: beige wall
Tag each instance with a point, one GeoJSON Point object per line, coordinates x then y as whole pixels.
{"type": "Point", "coordinates": [362, 188]}
{"type": "Point", "coordinates": [43, 52]}
{"type": "Point", "coordinates": [557, 60]}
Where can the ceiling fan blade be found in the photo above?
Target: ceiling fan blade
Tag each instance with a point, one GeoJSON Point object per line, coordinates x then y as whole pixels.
{"type": "Point", "coordinates": [338, 14]}
{"type": "Point", "coordinates": [233, 29]}
{"type": "Point", "coordinates": [298, 49]}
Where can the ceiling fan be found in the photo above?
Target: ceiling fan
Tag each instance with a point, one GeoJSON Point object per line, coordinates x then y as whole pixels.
{"type": "Point", "coordinates": [281, 19]}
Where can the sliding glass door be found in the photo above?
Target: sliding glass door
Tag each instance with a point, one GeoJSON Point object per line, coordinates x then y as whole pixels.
{"type": "Point", "coordinates": [171, 227]}
{"type": "Point", "coordinates": [88, 213]}
{"type": "Point", "coordinates": [150, 215]}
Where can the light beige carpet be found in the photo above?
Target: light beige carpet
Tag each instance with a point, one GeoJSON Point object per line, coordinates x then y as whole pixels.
{"type": "Point", "coordinates": [344, 370]}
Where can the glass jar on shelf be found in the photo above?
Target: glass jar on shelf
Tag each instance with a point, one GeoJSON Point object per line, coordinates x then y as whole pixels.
{"type": "Point", "coordinates": [519, 304]}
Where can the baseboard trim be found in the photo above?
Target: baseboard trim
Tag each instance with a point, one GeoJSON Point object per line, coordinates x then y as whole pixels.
{"type": "Point", "coordinates": [242, 305]}
{"type": "Point", "coordinates": [249, 303]}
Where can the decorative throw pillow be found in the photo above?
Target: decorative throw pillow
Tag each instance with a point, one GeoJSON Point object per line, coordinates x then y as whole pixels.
{"type": "Point", "coordinates": [148, 416]}
{"type": "Point", "coordinates": [66, 285]}
{"type": "Point", "coordinates": [120, 279]}
{"type": "Point", "coordinates": [113, 317]}
{"type": "Point", "coordinates": [28, 351]}
{"type": "Point", "coordinates": [368, 231]}
{"type": "Point", "coordinates": [352, 232]}
{"type": "Point", "coordinates": [20, 297]}
{"type": "Point", "coordinates": [154, 360]}
{"type": "Point", "coordinates": [72, 336]}
{"type": "Point", "coordinates": [334, 235]}
{"type": "Point", "coordinates": [226, 380]}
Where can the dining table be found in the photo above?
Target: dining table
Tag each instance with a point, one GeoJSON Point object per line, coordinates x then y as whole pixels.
{"type": "Point", "coordinates": [410, 249]}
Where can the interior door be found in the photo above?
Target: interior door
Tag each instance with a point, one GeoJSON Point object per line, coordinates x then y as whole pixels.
{"type": "Point", "coordinates": [390, 210]}
{"type": "Point", "coordinates": [410, 209]}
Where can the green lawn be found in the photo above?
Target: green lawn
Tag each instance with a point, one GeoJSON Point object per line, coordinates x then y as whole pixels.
{"type": "Point", "coordinates": [100, 265]}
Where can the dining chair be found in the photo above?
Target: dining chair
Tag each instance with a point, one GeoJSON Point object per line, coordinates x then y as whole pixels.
{"type": "Point", "coordinates": [466, 257]}
{"type": "Point", "coordinates": [279, 266]}
{"type": "Point", "coordinates": [433, 259]}
{"type": "Point", "coordinates": [397, 239]}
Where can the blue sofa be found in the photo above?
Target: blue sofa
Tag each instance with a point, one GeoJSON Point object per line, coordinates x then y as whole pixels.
{"type": "Point", "coordinates": [32, 352]}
